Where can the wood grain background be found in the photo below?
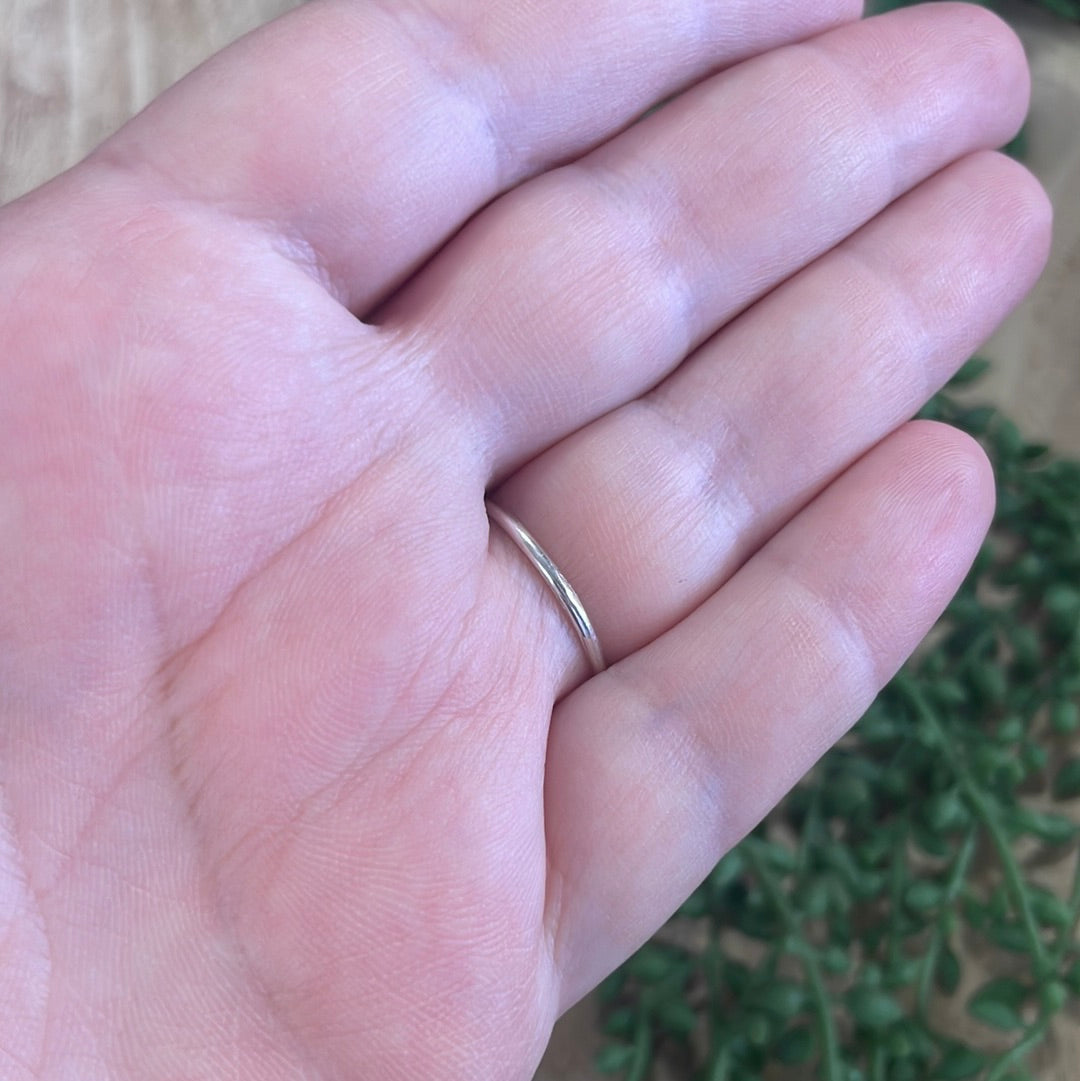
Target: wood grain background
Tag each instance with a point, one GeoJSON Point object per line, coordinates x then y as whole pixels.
{"type": "Point", "coordinates": [72, 71]}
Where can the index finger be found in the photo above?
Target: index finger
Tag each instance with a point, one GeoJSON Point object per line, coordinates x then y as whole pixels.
{"type": "Point", "coordinates": [367, 133]}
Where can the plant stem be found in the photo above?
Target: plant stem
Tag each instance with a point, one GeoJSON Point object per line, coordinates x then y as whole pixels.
{"type": "Point", "coordinates": [1013, 879]}
{"type": "Point", "coordinates": [1034, 1035]}
{"type": "Point", "coordinates": [877, 1064]}
{"type": "Point", "coordinates": [721, 1066]}
{"type": "Point", "coordinates": [719, 1055]}
{"type": "Point", "coordinates": [1032, 1038]}
{"type": "Point", "coordinates": [953, 888]}
{"type": "Point", "coordinates": [896, 887]}
{"type": "Point", "coordinates": [830, 1043]}
{"type": "Point", "coordinates": [1069, 935]}
{"type": "Point", "coordinates": [639, 1067]}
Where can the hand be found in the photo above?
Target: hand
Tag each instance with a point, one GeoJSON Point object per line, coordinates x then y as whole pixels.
{"type": "Point", "coordinates": [303, 775]}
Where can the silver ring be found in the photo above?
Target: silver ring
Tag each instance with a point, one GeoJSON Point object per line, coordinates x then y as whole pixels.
{"type": "Point", "coordinates": [556, 581]}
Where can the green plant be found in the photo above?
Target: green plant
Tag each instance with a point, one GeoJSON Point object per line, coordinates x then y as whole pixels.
{"type": "Point", "coordinates": [1069, 9]}
{"type": "Point", "coordinates": [836, 941]}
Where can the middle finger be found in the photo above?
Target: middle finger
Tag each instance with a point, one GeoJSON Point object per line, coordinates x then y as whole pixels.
{"type": "Point", "coordinates": [585, 287]}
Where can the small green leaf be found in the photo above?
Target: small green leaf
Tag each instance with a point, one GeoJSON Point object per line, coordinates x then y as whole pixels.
{"type": "Point", "coordinates": [971, 372]}
{"type": "Point", "coordinates": [947, 975]}
{"type": "Point", "coordinates": [728, 870]}
{"type": "Point", "coordinates": [932, 410]}
{"type": "Point", "coordinates": [1063, 608]}
{"type": "Point", "coordinates": [1034, 757]}
{"type": "Point", "coordinates": [795, 1046]}
{"type": "Point", "coordinates": [1051, 828]}
{"type": "Point", "coordinates": [928, 734]}
{"type": "Point", "coordinates": [1011, 730]}
{"type": "Point", "coordinates": [779, 857]}
{"type": "Point", "coordinates": [987, 761]}
{"type": "Point", "coordinates": [652, 963]}
{"type": "Point", "coordinates": [930, 841]}
{"type": "Point", "coordinates": [845, 795]}
{"type": "Point", "coordinates": [874, 1009]}
{"type": "Point", "coordinates": [836, 960]}
{"type": "Point", "coordinates": [959, 1063]}
{"type": "Point", "coordinates": [756, 921]}
{"type": "Point", "coordinates": [695, 906]}
{"type": "Point", "coordinates": [946, 811]}
{"type": "Point", "coordinates": [1028, 569]}
{"type": "Point", "coordinates": [1027, 647]}
{"type": "Point", "coordinates": [611, 987]}
{"type": "Point", "coordinates": [1018, 147]}
{"type": "Point", "coordinates": [923, 896]}
{"type": "Point", "coordinates": [614, 1058]}
{"type": "Point", "coordinates": [1009, 935]}
{"type": "Point", "coordinates": [1065, 718]}
{"type": "Point", "coordinates": [976, 913]}
{"type": "Point", "coordinates": [1054, 996]}
{"type": "Point", "coordinates": [676, 1016]}
{"type": "Point", "coordinates": [1003, 989]}
{"type": "Point", "coordinates": [783, 1000]}
{"type": "Point", "coordinates": [899, 1045]}
{"type": "Point", "coordinates": [1050, 910]}
{"type": "Point", "coordinates": [996, 1015]}
{"type": "Point", "coordinates": [988, 681]}
{"type": "Point", "coordinates": [895, 782]}
{"type": "Point", "coordinates": [975, 421]}
{"type": "Point", "coordinates": [1008, 441]}
{"type": "Point", "coordinates": [815, 899]}
{"type": "Point", "coordinates": [948, 692]}
{"type": "Point", "coordinates": [906, 1070]}
{"type": "Point", "coordinates": [875, 852]}
{"type": "Point", "coordinates": [998, 1004]}
{"type": "Point", "coordinates": [738, 977]}
{"type": "Point", "coordinates": [621, 1022]}
{"type": "Point", "coordinates": [868, 885]}
{"type": "Point", "coordinates": [998, 904]}
{"type": "Point", "coordinates": [902, 973]}
{"type": "Point", "coordinates": [758, 1030]}
{"type": "Point", "coordinates": [1010, 773]}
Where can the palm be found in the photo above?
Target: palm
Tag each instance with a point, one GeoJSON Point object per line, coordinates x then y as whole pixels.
{"type": "Point", "coordinates": [409, 815]}
{"type": "Point", "coordinates": [283, 785]}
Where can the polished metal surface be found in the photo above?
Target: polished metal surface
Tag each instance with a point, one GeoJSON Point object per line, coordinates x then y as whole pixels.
{"type": "Point", "coordinates": [556, 581]}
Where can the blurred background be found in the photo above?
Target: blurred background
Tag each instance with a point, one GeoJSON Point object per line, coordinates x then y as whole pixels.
{"type": "Point", "coordinates": [71, 71]}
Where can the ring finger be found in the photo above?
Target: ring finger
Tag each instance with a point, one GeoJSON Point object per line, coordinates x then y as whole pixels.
{"type": "Point", "coordinates": [679, 487]}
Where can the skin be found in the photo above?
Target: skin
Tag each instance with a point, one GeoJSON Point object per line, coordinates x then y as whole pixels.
{"type": "Point", "coordinates": [302, 775]}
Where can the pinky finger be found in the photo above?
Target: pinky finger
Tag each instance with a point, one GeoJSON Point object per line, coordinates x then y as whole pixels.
{"type": "Point", "coordinates": [662, 764]}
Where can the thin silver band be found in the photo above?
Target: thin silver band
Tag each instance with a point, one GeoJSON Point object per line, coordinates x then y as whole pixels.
{"type": "Point", "coordinates": [556, 581]}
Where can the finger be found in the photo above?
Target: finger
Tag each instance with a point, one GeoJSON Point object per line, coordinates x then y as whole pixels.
{"type": "Point", "coordinates": [366, 133]}
{"type": "Point", "coordinates": [664, 762]}
{"type": "Point", "coordinates": [578, 291]}
{"type": "Point", "coordinates": [679, 487]}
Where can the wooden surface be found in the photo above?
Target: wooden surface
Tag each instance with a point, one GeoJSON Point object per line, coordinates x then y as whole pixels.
{"type": "Point", "coordinates": [71, 71]}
